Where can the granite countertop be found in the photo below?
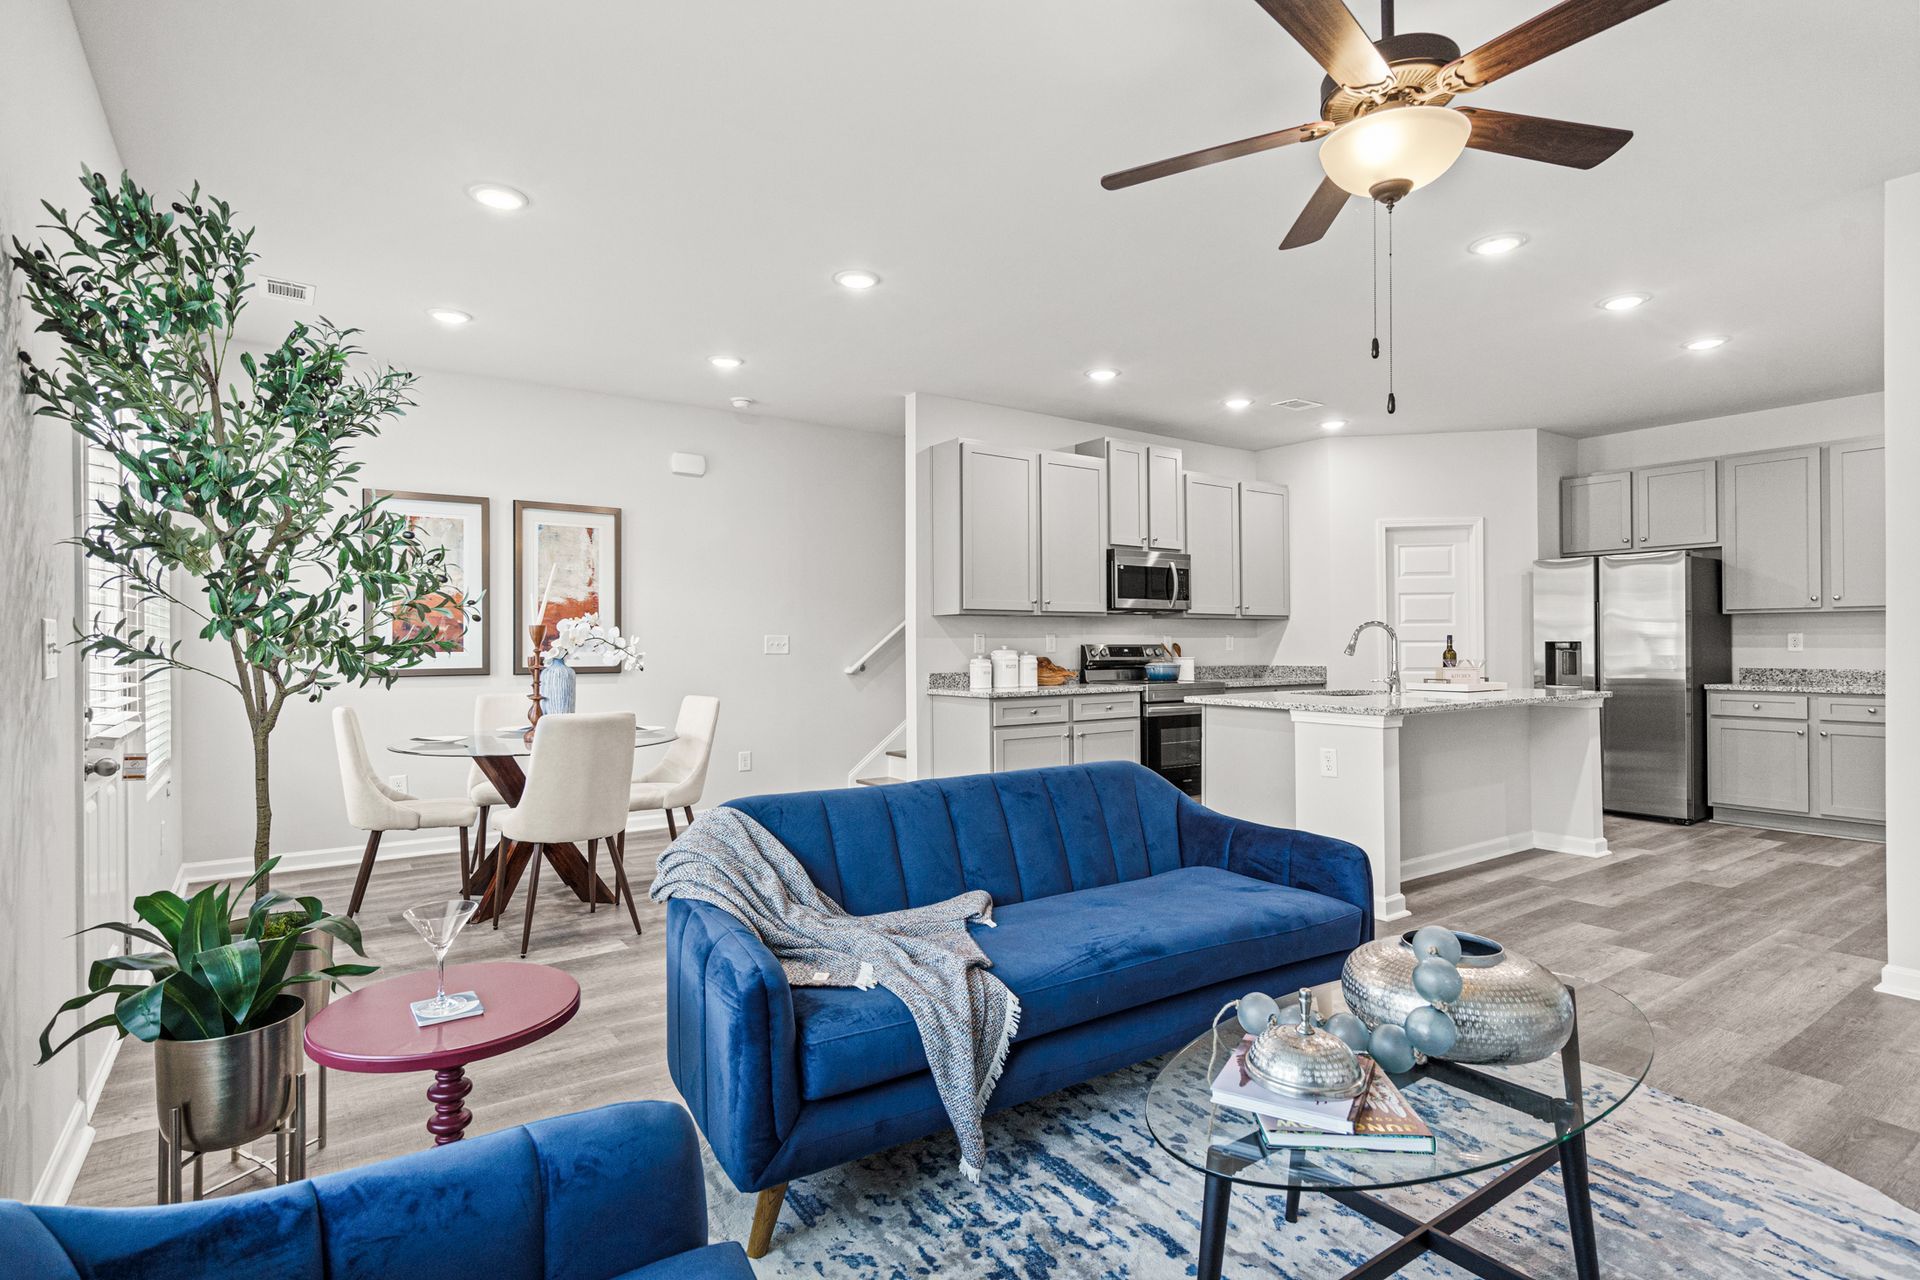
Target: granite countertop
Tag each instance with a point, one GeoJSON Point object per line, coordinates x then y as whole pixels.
{"type": "Point", "coordinates": [1405, 704]}
{"type": "Point", "coordinates": [1855, 680]}
{"type": "Point", "coordinates": [953, 684]}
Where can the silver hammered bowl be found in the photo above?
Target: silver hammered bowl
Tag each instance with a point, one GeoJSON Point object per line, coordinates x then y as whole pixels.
{"type": "Point", "coordinates": [1510, 1009]}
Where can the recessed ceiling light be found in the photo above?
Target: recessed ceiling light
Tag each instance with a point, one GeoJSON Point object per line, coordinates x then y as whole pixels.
{"type": "Point", "coordinates": [1494, 245]}
{"type": "Point", "coordinates": [1102, 375]}
{"type": "Point", "coordinates": [741, 402]}
{"type": "Point", "coordinates": [1333, 424]}
{"type": "Point", "coordinates": [1237, 403]}
{"type": "Point", "coordinates": [1622, 301]}
{"type": "Point", "coordinates": [449, 317]}
{"type": "Point", "coordinates": [856, 280]}
{"type": "Point", "coordinates": [498, 197]}
{"type": "Point", "coordinates": [1706, 344]}
{"type": "Point", "coordinates": [725, 362]}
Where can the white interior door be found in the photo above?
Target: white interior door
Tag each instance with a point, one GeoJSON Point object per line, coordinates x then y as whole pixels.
{"type": "Point", "coordinates": [1432, 579]}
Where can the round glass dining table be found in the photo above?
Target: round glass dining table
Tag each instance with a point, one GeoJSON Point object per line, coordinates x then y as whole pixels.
{"type": "Point", "coordinates": [497, 755]}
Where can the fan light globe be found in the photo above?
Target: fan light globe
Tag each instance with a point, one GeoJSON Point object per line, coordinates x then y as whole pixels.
{"type": "Point", "coordinates": [1400, 148]}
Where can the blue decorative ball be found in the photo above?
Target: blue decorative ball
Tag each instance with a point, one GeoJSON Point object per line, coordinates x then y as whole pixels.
{"type": "Point", "coordinates": [1391, 1048]}
{"type": "Point", "coordinates": [1350, 1029]}
{"type": "Point", "coordinates": [1256, 1010]}
{"type": "Point", "coordinates": [1431, 1031]}
{"type": "Point", "coordinates": [1433, 940]}
{"type": "Point", "coordinates": [1436, 980]}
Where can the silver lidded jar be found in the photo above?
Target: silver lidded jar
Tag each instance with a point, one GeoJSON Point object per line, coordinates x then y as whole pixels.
{"type": "Point", "coordinates": [1509, 1010]}
{"type": "Point", "coordinates": [1302, 1060]}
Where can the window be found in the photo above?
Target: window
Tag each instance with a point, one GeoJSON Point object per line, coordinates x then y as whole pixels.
{"type": "Point", "coordinates": [113, 692]}
{"type": "Point", "coordinates": [156, 690]}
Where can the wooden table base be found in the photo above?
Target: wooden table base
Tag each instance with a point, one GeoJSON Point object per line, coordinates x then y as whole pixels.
{"type": "Point", "coordinates": [566, 859]}
{"type": "Point", "coordinates": [448, 1093]}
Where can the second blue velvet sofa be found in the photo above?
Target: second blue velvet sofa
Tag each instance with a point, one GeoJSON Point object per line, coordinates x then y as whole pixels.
{"type": "Point", "coordinates": [1126, 914]}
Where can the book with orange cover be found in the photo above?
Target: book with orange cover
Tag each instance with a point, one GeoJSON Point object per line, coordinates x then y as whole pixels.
{"type": "Point", "coordinates": [1385, 1123]}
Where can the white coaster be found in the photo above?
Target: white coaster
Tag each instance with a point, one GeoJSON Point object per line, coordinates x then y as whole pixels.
{"type": "Point", "coordinates": [470, 1008]}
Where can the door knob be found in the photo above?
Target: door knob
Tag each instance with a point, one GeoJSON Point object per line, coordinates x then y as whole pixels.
{"type": "Point", "coordinates": [104, 767]}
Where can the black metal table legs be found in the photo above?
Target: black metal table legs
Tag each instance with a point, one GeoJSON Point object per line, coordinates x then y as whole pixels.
{"type": "Point", "coordinates": [1213, 1225]}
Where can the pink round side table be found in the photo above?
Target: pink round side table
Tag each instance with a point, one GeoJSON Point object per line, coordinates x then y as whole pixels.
{"type": "Point", "coordinates": [372, 1029]}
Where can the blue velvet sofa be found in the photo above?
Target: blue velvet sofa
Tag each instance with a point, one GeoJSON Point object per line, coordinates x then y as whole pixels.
{"type": "Point", "coordinates": [1126, 915]}
{"type": "Point", "coordinates": [613, 1193]}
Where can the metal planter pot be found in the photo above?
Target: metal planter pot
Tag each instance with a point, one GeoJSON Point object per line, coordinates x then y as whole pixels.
{"type": "Point", "coordinates": [233, 1089]}
{"type": "Point", "coordinates": [1510, 1009]}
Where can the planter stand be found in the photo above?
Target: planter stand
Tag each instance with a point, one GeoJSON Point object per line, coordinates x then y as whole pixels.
{"type": "Point", "coordinates": [289, 1150]}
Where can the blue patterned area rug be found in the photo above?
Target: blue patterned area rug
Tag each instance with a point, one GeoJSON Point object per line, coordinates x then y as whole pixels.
{"type": "Point", "coordinates": [1076, 1187]}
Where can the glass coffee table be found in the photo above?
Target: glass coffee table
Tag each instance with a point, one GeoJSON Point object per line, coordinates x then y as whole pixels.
{"type": "Point", "coordinates": [1521, 1120]}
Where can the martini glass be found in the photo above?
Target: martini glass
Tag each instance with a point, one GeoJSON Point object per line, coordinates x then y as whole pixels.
{"type": "Point", "coordinates": [439, 923]}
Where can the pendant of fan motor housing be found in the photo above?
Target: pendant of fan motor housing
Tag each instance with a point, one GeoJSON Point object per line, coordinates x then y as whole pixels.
{"type": "Point", "coordinates": [1414, 62]}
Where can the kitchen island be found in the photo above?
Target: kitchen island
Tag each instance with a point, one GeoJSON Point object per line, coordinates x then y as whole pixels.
{"type": "Point", "coordinates": [1423, 782]}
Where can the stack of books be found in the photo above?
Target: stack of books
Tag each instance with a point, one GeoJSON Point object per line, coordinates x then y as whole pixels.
{"type": "Point", "coordinates": [1379, 1119]}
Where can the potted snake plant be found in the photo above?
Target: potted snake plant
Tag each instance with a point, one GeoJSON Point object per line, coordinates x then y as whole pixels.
{"type": "Point", "coordinates": [224, 1005]}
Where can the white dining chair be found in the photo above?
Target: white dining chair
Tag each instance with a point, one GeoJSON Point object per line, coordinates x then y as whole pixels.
{"type": "Point", "coordinates": [376, 808]}
{"type": "Point", "coordinates": [492, 712]}
{"type": "Point", "coordinates": [677, 781]}
{"type": "Point", "coordinates": [577, 784]}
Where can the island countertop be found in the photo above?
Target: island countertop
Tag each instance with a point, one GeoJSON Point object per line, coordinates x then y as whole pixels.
{"type": "Point", "coordinates": [954, 684]}
{"type": "Point", "coordinates": [1404, 704]}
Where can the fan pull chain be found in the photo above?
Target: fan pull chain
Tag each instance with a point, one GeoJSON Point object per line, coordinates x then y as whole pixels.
{"type": "Point", "coordinates": [1390, 400]}
{"type": "Point", "coordinates": [1376, 281]}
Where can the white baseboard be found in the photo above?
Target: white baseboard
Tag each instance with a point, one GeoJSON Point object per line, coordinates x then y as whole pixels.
{"type": "Point", "coordinates": [1578, 846]}
{"type": "Point", "coordinates": [69, 1153]}
{"type": "Point", "coordinates": [1391, 908]}
{"type": "Point", "coordinates": [1898, 980]}
{"type": "Point", "coordinates": [98, 1083]}
{"type": "Point", "coordinates": [428, 844]}
{"type": "Point", "coordinates": [1429, 864]}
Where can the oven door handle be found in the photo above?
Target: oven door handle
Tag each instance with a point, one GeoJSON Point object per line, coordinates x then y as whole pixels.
{"type": "Point", "coordinates": [1171, 709]}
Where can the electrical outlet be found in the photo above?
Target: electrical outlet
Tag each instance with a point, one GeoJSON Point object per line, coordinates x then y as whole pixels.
{"type": "Point", "coordinates": [398, 781]}
{"type": "Point", "coordinates": [746, 762]}
{"type": "Point", "coordinates": [1053, 643]}
{"type": "Point", "coordinates": [1329, 763]}
{"type": "Point", "coordinates": [1796, 641]}
{"type": "Point", "coordinates": [979, 644]}
{"type": "Point", "coordinates": [775, 644]}
{"type": "Point", "coordinates": [50, 649]}
{"type": "Point", "coordinates": [1229, 644]}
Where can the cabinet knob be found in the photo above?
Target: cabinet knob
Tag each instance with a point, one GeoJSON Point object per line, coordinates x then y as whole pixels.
{"type": "Point", "coordinates": [1823, 733]}
{"type": "Point", "coordinates": [1873, 711]}
{"type": "Point", "coordinates": [1756, 706]}
{"type": "Point", "coordinates": [1643, 537]}
{"type": "Point", "coordinates": [1814, 597]}
{"type": "Point", "coordinates": [1801, 733]}
{"type": "Point", "coordinates": [1626, 539]}
{"type": "Point", "coordinates": [1836, 595]}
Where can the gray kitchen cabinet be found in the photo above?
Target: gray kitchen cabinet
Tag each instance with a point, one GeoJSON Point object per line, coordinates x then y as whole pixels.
{"type": "Point", "coordinates": [1213, 537]}
{"type": "Point", "coordinates": [1166, 522]}
{"type": "Point", "coordinates": [1143, 493]}
{"type": "Point", "coordinates": [1770, 515]}
{"type": "Point", "coordinates": [1758, 764]}
{"type": "Point", "coordinates": [986, 528]}
{"type": "Point", "coordinates": [1106, 740]}
{"type": "Point", "coordinates": [1596, 514]}
{"type": "Point", "coordinates": [1039, 746]}
{"type": "Point", "coordinates": [1676, 506]}
{"type": "Point", "coordinates": [1073, 539]}
{"type": "Point", "coordinates": [1856, 525]}
{"type": "Point", "coordinates": [1265, 548]}
{"type": "Point", "coordinates": [1850, 771]}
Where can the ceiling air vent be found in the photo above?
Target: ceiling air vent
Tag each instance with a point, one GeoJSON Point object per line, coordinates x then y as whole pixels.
{"type": "Point", "coordinates": [1297, 404]}
{"type": "Point", "coordinates": [290, 291]}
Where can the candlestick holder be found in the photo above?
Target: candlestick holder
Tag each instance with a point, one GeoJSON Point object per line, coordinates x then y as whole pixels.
{"type": "Point", "coordinates": [537, 633]}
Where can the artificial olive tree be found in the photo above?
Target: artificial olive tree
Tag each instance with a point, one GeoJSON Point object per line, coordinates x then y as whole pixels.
{"type": "Point", "coordinates": [236, 504]}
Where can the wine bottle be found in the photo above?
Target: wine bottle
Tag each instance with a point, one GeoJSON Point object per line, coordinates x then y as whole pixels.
{"type": "Point", "coordinates": [1448, 658]}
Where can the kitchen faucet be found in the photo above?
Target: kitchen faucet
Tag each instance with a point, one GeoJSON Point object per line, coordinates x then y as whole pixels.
{"type": "Point", "coordinates": [1393, 652]}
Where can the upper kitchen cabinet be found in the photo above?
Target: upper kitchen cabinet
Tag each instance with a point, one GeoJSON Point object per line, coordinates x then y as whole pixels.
{"type": "Point", "coordinates": [1596, 514]}
{"type": "Point", "coordinates": [1073, 540]}
{"type": "Point", "coordinates": [1213, 537]}
{"type": "Point", "coordinates": [1771, 518]}
{"type": "Point", "coordinates": [986, 528]}
{"type": "Point", "coordinates": [1264, 550]}
{"type": "Point", "coordinates": [1143, 494]}
{"type": "Point", "coordinates": [1676, 506]}
{"type": "Point", "coordinates": [1856, 525]}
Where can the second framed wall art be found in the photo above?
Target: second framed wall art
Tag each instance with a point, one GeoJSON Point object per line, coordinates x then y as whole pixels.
{"type": "Point", "coordinates": [566, 564]}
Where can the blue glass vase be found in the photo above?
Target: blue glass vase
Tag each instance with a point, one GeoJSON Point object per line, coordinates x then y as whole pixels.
{"type": "Point", "coordinates": [556, 688]}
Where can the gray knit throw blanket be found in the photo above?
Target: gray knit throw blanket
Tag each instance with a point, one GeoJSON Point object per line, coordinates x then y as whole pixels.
{"type": "Point", "coordinates": [967, 1018]}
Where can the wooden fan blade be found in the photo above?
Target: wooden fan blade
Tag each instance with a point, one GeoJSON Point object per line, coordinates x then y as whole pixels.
{"type": "Point", "coordinates": [1213, 155]}
{"type": "Point", "coordinates": [1543, 34]}
{"type": "Point", "coordinates": [1327, 30]}
{"type": "Point", "coordinates": [1321, 210]}
{"type": "Point", "coordinates": [1577, 146]}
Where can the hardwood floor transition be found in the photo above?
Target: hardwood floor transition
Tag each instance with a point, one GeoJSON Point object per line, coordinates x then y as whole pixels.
{"type": "Point", "coordinates": [1753, 954]}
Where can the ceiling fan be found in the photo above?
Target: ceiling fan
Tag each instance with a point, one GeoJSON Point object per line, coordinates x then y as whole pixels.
{"type": "Point", "coordinates": [1384, 112]}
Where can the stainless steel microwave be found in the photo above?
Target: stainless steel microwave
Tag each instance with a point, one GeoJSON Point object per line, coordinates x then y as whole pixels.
{"type": "Point", "coordinates": [1149, 581]}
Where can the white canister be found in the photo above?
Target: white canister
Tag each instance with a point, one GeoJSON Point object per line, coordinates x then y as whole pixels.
{"type": "Point", "coordinates": [1029, 671]}
{"type": "Point", "coordinates": [980, 673]}
{"type": "Point", "coordinates": [1186, 670]}
{"type": "Point", "coordinates": [1006, 668]}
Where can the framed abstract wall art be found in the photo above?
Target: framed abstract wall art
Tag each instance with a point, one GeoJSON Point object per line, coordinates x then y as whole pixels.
{"type": "Point", "coordinates": [566, 564]}
{"type": "Point", "coordinates": [457, 525]}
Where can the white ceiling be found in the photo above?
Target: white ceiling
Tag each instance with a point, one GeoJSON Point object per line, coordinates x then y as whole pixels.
{"type": "Point", "coordinates": [699, 170]}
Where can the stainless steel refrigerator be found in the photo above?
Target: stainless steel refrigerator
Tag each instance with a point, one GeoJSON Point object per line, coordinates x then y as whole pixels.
{"type": "Point", "coordinates": [1648, 630]}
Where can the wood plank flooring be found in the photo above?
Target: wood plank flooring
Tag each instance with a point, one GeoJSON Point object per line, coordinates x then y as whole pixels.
{"type": "Point", "coordinates": [1752, 953]}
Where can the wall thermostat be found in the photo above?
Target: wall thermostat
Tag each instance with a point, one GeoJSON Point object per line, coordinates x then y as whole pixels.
{"type": "Point", "coordinates": [689, 464]}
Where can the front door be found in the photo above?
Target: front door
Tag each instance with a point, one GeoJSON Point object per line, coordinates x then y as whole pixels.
{"type": "Point", "coordinates": [1432, 582]}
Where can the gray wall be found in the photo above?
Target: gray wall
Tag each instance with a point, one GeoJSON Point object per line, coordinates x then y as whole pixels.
{"type": "Point", "coordinates": [50, 122]}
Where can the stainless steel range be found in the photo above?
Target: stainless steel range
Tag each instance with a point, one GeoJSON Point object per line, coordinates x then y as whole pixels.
{"type": "Point", "coordinates": [1169, 729]}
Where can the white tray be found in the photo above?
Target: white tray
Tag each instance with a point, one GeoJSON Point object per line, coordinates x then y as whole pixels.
{"type": "Point", "coordinates": [1442, 686]}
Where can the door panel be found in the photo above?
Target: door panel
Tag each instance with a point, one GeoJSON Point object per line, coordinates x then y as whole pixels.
{"type": "Point", "coordinates": [105, 892]}
{"type": "Point", "coordinates": [1856, 526]}
{"type": "Point", "coordinates": [1073, 560]}
{"type": "Point", "coordinates": [1264, 551]}
{"type": "Point", "coordinates": [1758, 764]}
{"type": "Point", "coordinates": [1433, 593]}
{"type": "Point", "coordinates": [1212, 522]}
{"type": "Point", "coordinates": [1850, 772]}
{"type": "Point", "coordinates": [1127, 494]}
{"type": "Point", "coordinates": [1596, 513]}
{"type": "Point", "coordinates": [1040, 747]}
{"type": "Point", "coordinates": [1676, 506]}
{"type": "Point", "coordinates": [1772, 532]}
{"type": "Point", "coordinates": [999, 494]}
{"type": "Point", "coordinates": [1165, 523]}
{"type": "Point", "coordinates": [1107, 740]}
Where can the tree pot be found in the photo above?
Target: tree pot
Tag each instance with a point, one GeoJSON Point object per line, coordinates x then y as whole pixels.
{"type": "Point", "coordinates": [233, 1089]}
{"type": "Point", "coordinates": [1509, 1010]}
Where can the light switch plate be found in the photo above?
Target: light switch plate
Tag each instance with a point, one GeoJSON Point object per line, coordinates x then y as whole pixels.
{"type": "Point", "coordinates": [1329, 763]}
{"type": "Point", "coordinates": [49, 649]}
{"type": "Point", "coordinates": [1229, 644]}
{"type": "Point", "coordinates": [979, 644]}
{"type": "Point", "coordinates": [1796, 641]}
{"type": "Point", "coordinates": [746, 762]}
{"type": "Point", "coordinates": [1053, 643]}
{"type": "Point", "coordinates": [776, 644]}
